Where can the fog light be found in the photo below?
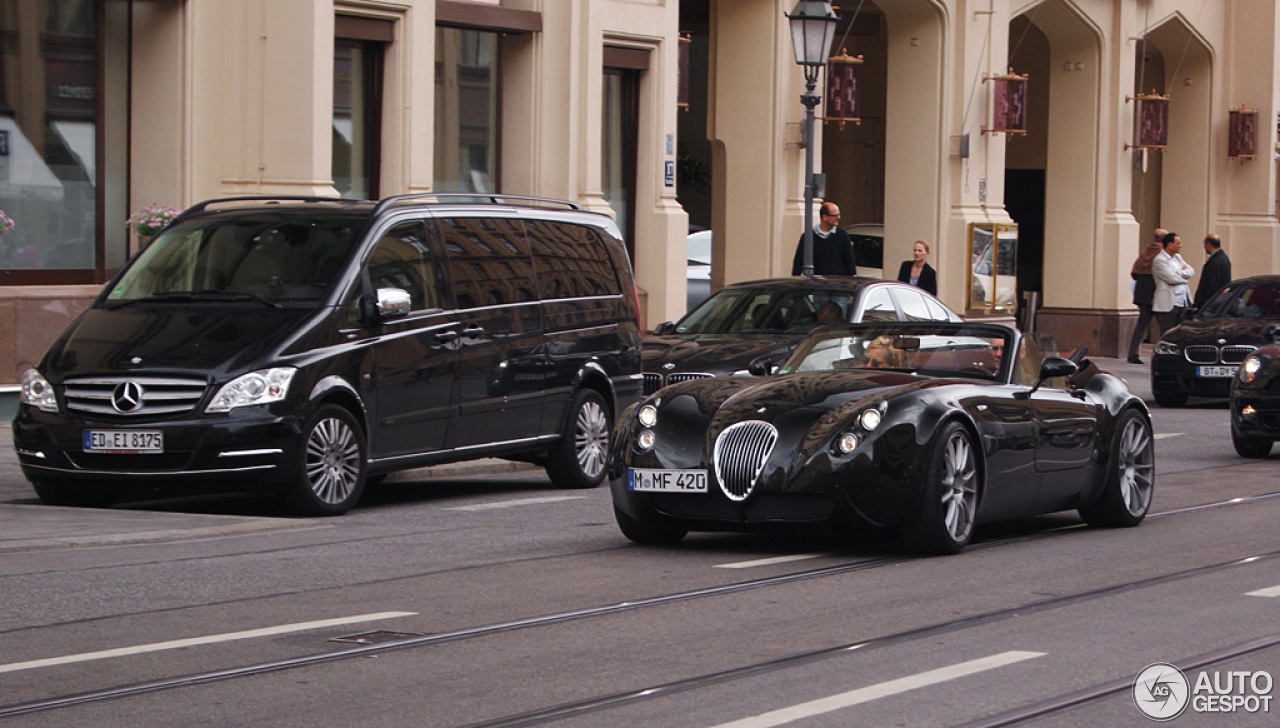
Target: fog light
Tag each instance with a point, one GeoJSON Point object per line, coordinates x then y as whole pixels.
{"type": "Point", "coordinates": [1248, 411]}
{"type": "Point", "coordinates": [847, 443]}
{"type": "Point", "coordinates": [646, 439]}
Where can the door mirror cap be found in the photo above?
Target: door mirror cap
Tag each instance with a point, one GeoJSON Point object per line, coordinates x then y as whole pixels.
{"type": "Point", "coordinates": [393, 303]}
{"type": "Point", "coordinates": [761, 366]}
{"type": "Point", "coordinates": [1056, 366]}
{"type": "Point", "coordinates": [664, 328]}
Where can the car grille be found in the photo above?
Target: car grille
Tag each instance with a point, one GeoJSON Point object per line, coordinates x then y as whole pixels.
{"type": "Point", "coordinates": [740, 454]}
{"type": "Point", "coordinates": [1204, 354]}
{"type": "Point", "coordinates": [154, 395]}
{"type": "Point", "coordinates": [654, 382]}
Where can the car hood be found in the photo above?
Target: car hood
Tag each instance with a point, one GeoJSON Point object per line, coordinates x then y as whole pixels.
{"type": "Point", "coordinates": [212, 339]}
{"type": "Point", "coordinates": [1210, 331]}
{"type": "Point", "coordinates": [713, 353]}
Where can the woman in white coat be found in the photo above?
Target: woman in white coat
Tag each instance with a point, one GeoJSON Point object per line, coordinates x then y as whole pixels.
{"type": "Point", "coordinates": [1171, 273]}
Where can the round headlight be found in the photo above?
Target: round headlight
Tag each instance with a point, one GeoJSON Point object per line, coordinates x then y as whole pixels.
{"type": "Point", "coordinates": [648, 415]}
{"type": "Point", "coordinates": [847, 442]}
{"type": "Point", "coordinates": [645, 439]}
{"type": "Point", "coordinates": [869, 419]}
{"type": "Point", "coordinates": [1249, 368]}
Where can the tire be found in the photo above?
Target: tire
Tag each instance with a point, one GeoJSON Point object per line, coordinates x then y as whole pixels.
{"type": "Point", "coordinates": [1172, 400]}
{"type": "Point", "coordinates": [329, 476]}
{"type": "Point", "coordinates": [1131, 476]}
{"type": "Point", "coordinates": [949, 506]}
{"type": "Point", "coordinates": [1250, 447]}
{"type": "Point", "coordinates": [580, 457]}
{"type": "Point", "coordinates": [58, 493]}
{"type": "Point", "coordinates": [649, 534]}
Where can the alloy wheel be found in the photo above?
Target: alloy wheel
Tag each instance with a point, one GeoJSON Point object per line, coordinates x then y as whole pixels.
{"type": "Point", "coordinates": [959, 487]}
{"type": "Point", "coordinates": [333, 460]}
{"type": "Point", "coordinates": [591, 439]}
{"type": "Point", "coordinates": [1137, 467]}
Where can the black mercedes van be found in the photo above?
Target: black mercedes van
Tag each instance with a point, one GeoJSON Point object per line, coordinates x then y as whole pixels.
{"type": "Point", "coordinates": [307, 345]}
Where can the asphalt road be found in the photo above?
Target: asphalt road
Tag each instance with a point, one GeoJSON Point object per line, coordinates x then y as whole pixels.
{"type": "Point", "coordinates": [498, 600]}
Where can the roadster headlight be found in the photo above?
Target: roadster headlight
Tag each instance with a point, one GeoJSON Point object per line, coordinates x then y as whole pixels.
{"type": "Point", "coordinates": [1165, 347]}
{"type": "Point", "coordinates": [261, 387]}
{"type": "Point", "coordinates": [648, 415]}
{"type": "Point", "coordinates": [646, 439]}
{"type": "Point", "coordinates": [869, 419]}
{"type": "Point", "coordinates": [847, 442]}
{"type": "Point", "coordinates": [1250, 367]}
{"type": "Point", "coordinates": [37, 392]}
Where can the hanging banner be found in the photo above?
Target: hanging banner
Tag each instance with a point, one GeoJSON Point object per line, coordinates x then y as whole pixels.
{"type": "Point", "coordinates": [1010, 115]}
{"type": "Point", "coordinates": [844, 76]}
{"type": "Point", "coordinates": [1242, 137]}
{"type": "Point", "coordinates": [1153, 122]}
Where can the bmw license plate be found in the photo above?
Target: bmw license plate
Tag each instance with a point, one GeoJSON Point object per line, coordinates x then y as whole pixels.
{"type": "Point", "coordinates": [1215, 371]}
{"type": "Point", "coordinates": [667, 481]}
{"type": "Point", "coordinates": [124, 442]}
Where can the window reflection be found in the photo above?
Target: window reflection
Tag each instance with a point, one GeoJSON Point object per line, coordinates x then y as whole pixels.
{"type": "Point", "coordinates": [466, 110]}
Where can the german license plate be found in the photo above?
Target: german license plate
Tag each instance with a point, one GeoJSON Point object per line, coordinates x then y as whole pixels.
{"type": "Point", "coordinates": [1215, 371]}
{"type": "Point", "coordinates": [667, 481]}
{"type": "Point", "coordinates": [124, 442]}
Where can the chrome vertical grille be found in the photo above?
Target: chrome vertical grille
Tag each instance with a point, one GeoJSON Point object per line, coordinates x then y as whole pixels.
{"type": "Point", "coordinates": [1236, 353]}
{"type": "Point", "coordinates": [686, 376]}
{"type": "Point", "coordinates": [652, 382]}
{"type": "Point", "coordinates": [740, 454]}
{"type": "Point", "coordinates": [1201, 354]}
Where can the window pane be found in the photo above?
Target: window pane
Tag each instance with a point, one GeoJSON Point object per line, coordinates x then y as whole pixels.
{"type": "Point", "coordinates": [353, 103]}
{"type": "Point", "coordinates": [489, 261]}
{"type": "Point", "coordinates": [466, 110]}
{"type": "Point", "coordinates": [403, 260]}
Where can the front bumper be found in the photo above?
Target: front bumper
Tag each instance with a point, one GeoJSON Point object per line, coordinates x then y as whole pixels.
{"type": "Point", "coordinates": [1173, 374]}
{"type": "Point", "coordinates": [249, 446]}
{"type": "Point", "coordinates": [1264, 419]}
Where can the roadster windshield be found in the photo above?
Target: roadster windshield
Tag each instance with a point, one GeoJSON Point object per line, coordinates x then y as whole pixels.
{"type": "Point", "coordinates": [261, 258]}
{"type": "Point", "coordinates": [766, 310]}
{"type": "Point", "coordinates": [977, 353]}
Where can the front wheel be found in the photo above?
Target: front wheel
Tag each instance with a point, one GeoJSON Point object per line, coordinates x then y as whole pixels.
{"type": "Point", "coordinates": [1131, 476]}
{"type": "Point", "coordinates": [1250, 447]}
{"type": "Point", "coordinates": [578, 460]}
{"type": "Point", "coordinates": [329, 476]}
{"type": "Point", "coordinates": [948, 510]}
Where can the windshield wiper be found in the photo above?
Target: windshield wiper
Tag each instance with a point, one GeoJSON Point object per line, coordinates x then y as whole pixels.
{"type": "Point", "coordinates": [205, 295]}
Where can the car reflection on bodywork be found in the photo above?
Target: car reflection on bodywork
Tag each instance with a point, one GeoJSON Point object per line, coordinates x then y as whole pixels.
{"type": "Point", "coordinates": [931, 428]}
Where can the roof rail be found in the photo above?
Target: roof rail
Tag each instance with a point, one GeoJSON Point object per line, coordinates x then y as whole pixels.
{"type": "Point", "coordinates": [266, 198]}
{"type": "Point", "coordinates": [495, 199]}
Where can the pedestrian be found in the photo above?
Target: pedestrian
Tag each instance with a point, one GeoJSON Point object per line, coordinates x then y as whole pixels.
{"type": "Point", "coordinates": [1171, 273]}
{"type": "Point", "coordinates": [1144, 288]}
{"type": "Point", "coordinates": [1216, 272]}
{"type": "Point", "coordinates": [917, 271]}
{"type": "Point", "coordinates": [832, 248]}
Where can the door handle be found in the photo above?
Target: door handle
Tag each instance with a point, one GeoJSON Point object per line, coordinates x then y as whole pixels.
{"type": "Point", "coordinates": [445, 337]}
{"type": "Point", "coordinates": [473, 331]}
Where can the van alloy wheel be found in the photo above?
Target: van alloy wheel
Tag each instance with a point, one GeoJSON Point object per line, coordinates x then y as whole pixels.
{"type": "Point", "coordinates": [578, 460]}
{"type": "Point", "coordinates": [329, 476]}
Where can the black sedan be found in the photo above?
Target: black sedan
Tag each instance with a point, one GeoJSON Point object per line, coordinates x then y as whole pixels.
{"type": "Point", "coordinates": [1255, 398]}
{"type": "Point", "coordinates": [1199, 356]}
{"type": "Point", "coordinates": [928, 427]}
{"type": "Point", "coordinates": [767, 318]}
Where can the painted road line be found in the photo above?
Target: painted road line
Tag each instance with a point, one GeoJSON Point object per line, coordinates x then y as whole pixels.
{"type": "Point", "coordinates": [1166, 435]}
{"type": "Point", "coordinates": [1270, 592]}
{"type": "Point", "coordinates": [206, 640]}
{"type": "Point", "coordinates": [516, 503]}
{"type": "Point", "coordinates": [881, 690]}
{"type": "Point", "coordinates": [769, 561]}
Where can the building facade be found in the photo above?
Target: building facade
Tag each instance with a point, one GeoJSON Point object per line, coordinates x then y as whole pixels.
{"type": "Point", "coordinates": [107, 106]}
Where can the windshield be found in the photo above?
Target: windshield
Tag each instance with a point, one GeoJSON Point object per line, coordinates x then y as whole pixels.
{"type": "Point", "coordinates": [976, 353]}
{"type": "Point", "coordinates": [1260, 300]}
{"type": "Point", "coordinates": [766, 311]}
{"type": "Point", "coordinates": [263, 257]}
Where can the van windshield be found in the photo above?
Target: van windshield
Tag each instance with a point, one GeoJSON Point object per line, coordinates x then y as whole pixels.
{"type": "Point", "coordinates": [254, 257]}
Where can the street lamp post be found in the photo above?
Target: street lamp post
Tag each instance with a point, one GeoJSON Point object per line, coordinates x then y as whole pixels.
{"type": "Point", "coordinates": [813, 27]}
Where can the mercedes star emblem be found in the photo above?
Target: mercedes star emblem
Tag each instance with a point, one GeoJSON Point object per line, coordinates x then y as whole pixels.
{"type": "Point", "coordinates": [127, 397]}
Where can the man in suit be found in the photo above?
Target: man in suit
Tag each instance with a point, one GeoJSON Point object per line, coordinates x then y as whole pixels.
{"type": "Point", "coordinates": [1216, 272]}
{"type": "Point", "coordinates": [832, 248]}
{"type": "Point", "coordinates": [1171, 273]}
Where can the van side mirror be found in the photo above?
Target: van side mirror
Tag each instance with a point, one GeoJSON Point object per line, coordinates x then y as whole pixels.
{"type": "Point", "coordinates": [1052, 366]}
{"type": "Point", "coordinates": [664, 328]}
{"type": "Point", "coordinates": [760, 366]}
{"type": "Point", "coordinates": [390, 303]}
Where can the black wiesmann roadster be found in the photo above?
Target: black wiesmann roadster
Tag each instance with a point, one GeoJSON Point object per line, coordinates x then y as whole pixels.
{"type": "Point", "coordinates": [929, 427]}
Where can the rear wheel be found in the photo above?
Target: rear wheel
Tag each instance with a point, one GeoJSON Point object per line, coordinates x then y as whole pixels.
{"type": "Point", "coordinates": [1131, 477]}
{"type": "Point", "coordinates": [650, 534]}
{"type": "Point", "coordinates": [60, 493]}
{"type": "Point", "coordinates": [949, 507]}
{"type": "Point", "coordinates": [1250, 447]}
{"type": "Point", "coordinates": [329, 476]}
{"type": "Point", "coordinates": [578, 460]}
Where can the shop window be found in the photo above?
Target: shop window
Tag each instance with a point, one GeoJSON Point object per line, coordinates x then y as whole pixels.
{"type": "Point", "coordinates": [466, 144]}
{"type": "Point", "coordinates": [359, 52]}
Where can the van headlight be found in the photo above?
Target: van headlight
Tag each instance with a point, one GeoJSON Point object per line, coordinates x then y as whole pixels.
{"type": "Point", "coordinates": [261, 387]}
{"type": "Point", "coordinates": [37, 392]}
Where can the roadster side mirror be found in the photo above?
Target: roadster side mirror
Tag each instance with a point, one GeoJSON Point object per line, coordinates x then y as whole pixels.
{"type": "Point", "coordinates": [1271, 333]}
{"type": "Point", "coordinates": [760, 366]}
{"type": "Point", "coordinates": [1052, 366]}
{"type": "Point", "coordinates": [664, 328]}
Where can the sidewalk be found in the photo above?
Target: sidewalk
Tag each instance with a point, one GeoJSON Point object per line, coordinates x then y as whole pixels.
{"type": "Point", "coordinates": [25, 525]}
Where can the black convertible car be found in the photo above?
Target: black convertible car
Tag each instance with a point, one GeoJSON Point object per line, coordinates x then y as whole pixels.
{"type": "Point", "coordinates": [1255, 398]}
{"type": "Point", "coordinates": [930, 427]}
{"type": "Point", "coordinates": [1200, 356]}
{"type": "Point", "coordinates": [748, 320]}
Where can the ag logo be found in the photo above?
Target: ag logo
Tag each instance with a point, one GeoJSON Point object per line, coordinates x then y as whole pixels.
{"type": "Point", "coordinates": [1161, 691]}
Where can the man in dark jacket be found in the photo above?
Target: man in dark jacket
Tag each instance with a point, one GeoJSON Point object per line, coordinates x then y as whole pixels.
{"type": "Point", "coordinates": [1216, 272]}
{"type": "Point", "coordinates": [832, 248]}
